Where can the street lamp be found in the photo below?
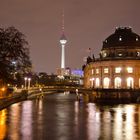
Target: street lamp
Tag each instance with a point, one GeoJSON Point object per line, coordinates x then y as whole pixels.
{"type": "Point", "coordinates": [25, 81]}
{"type": "Point", "coordinates": [29, 82]}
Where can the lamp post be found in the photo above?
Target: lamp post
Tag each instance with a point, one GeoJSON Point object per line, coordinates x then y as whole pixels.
{"type": "Point", "coordinates": [29, 82]}
{"type": "Point", "coordinates": [25, 82]}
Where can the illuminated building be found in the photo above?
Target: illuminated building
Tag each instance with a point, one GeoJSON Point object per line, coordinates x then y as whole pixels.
{"type": "Point", "coordinates": [77, 72]}
{"type": "Point", "coordinates": [118, 65]}
{"type": "Point", "coordinates": [63, 72]}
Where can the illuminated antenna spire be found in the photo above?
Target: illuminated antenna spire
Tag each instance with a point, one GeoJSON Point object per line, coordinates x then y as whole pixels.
{"type": "Point", "coordinates": [63, 22]}
{"type": "Point", "coordinates": [63, 39]}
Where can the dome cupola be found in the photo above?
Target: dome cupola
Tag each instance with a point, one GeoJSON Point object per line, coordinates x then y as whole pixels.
{"type": "Point", "coordinates": [122, 44]}
{"type": "Point", "coordinates": [123, 36]}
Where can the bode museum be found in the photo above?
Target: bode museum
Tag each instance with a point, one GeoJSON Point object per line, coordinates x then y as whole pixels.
{"type": "Point", "coordinates": [118, 65]}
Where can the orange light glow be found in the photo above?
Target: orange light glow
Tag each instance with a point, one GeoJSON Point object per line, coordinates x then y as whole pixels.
{"type": "Point", "coordinates": [3, 127]}
{"type": "Point", "coordinates": [3, 89]}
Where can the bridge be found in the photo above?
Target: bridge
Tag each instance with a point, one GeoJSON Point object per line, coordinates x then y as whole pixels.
{"type": "Point", "coordinates": [57, 89]}
{"type": "Point", "coordinates": [94, 95]}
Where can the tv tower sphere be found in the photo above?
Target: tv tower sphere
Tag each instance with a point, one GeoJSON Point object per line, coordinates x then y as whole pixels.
{"type": "Point", "coordinates": [63, 40]}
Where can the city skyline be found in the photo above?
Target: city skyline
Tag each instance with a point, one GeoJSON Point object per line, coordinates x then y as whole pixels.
{"type": "Point", "coordinates": [87, 24]}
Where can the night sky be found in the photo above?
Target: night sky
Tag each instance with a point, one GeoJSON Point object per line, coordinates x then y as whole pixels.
{"type": "Point", "coordinates": [87, 24]}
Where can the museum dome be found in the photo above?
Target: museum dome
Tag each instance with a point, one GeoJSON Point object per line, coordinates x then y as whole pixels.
{"type": "Point", "coordinates": [123, 37]}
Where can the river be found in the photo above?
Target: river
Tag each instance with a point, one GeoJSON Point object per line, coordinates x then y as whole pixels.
{"type": "Point", "coordinates": [61, 117]}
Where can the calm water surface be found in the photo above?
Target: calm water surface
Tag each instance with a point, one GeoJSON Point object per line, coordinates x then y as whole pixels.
{"type": "Point", "coordinates": [61, 117]}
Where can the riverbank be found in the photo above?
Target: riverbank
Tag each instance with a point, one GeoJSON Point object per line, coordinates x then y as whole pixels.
{"type": "Point", "coordinates": [115, 96]}
{"type": "Point", "coordinates": [22, 96]}
{"type": "Point", "coordinates": [17, 97]}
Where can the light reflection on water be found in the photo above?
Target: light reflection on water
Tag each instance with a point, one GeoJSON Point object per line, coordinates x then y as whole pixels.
{"type": "Point", "coordinates": [26, 120]}
{"type": "Point", "coordinates": [14, 118]}
{"type": "Point", "coordinates": [92, 119]}
{"type": "Point", "coordinates": [61, 117]}
{"type": "Point", "coordinates": [3, 126]}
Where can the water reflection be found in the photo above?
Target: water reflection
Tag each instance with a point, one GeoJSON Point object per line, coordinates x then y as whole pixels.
{"type": "Point", "coordinates": [26, 120]}
{"type": "Point", "coordinates": [3, 126]}
{"type": "Point", "coordinates": [76, 118]}
{"type": "Point", "coordinates": [119, 123]}
{"type": "Point", "coordinates": [61, 117]}
{"type": "Point", "coordinates": [14, 113]}
{"type": "Point", "coordinates": [93, 122]}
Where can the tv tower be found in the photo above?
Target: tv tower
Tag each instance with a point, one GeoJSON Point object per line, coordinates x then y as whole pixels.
{"type": "Point", "coordinates": [63, 42]}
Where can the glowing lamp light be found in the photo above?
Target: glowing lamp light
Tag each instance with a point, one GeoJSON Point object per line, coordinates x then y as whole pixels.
{"type": "Point", "coordinates": [25, 78]}
{"type": "Point", "coordinates": [29, 79]}
{"type": "Point", "coordinates": [3, 89]}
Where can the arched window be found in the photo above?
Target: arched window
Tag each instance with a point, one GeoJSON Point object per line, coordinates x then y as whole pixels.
{"type": "Point", "coordinates": [97, 83]}
{"type": "Point", "coordinates": [106, 82]}
{"type": "Point", "coordinates": [91, 82]}
{"type": "Point", "coordinates": [117, 82]}
{"type": "Point", "coordinates": [130, 82]}
{"type": "Point", "coordinates": [139, 82]}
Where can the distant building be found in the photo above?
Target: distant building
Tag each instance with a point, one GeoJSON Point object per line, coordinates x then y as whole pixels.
{"type": "Point", "coordinates": [119, 63]}
{"type": "Point", "coordinates": [63, 72]}
{"type": "Point", "coordinates": [77, 72]}
{"type": "Point", "coordinates": [77, 75]}
{"type": "Point", "coordinates": [74, 76]}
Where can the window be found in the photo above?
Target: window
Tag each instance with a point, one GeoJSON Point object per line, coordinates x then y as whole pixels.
{"type": "Point", "coordinates": [130, 82]}
{"type": "Point", "coordinates": [106, 70]}
{"type": "Point", "coordinates": [119, 54]}
{"type": "Point", "coordinates": [106, 82]}
{"type": "Point", "coordinates": [130, 70]}
{"type": "Point", "coordinates": [117, 82]}
{"type": "Point", "coordinates": [120, 38]}
{"type": "Point", "coordinates": [97, 71]}
{"type": "Point", "coordinates": [97, 83]}
{"type": "Point", "coordinates": [139, 82]}
{"type": "Point", "coordinates": [92, 71]}
{"type": "Point", "coordinates": [91, 82]}
{"type": "Point", "coordinates": [104, 54]}
{"type": "Point", "coordinates": [118, 70]}
{"type": "Point", "coordinates": [138, 53]}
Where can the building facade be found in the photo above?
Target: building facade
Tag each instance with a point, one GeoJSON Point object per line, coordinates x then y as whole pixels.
{"type": "Point", "coordinates": [118, 65]}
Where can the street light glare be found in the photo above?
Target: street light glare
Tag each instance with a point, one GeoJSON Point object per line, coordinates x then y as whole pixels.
{"type": "Point", "coordinates": [29, 79]}
{"type": "Point", "coordinates": [25, 78]}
